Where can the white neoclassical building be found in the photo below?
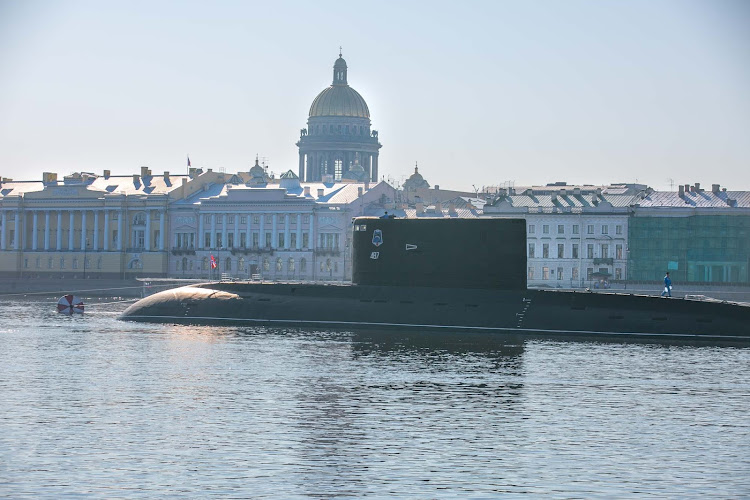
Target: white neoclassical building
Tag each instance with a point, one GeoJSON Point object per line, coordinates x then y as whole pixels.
{"type": "Point", "coordinates": [576, 235]}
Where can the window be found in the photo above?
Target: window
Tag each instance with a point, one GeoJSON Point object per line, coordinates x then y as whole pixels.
{"type": "Point", "coordinates": [269, 219]}
{"type": "Point", "coordinates": [26, 263]}
{"type": "Point", "coordinates": [139, 219]}
{"type": "Point", "coordinates": [545, 273]}
{"type": "Point", "coordinates": [575, 250]}
{"type": "Point", "coordinates": [62, 262]}
{"type": "Point", "coordinates": [575, 229]}
{"type": "Point", "coordinates": [560, 251]}
{"type": "Point", "coordinates": [559, 273]}
{"type": "Point", "coordinates": [589, 273]}
{"type": "Point", "coordinates": [99, 263]}
{"type": "Point", "coordinates": [207, 240]}
{"type": "Point", "coordinates": [204, 263]}
{"type": "Point", "coordinates": [231, 219]}
{"type": "Point", "coordinates": [545, 251]}
{"type": "Point", "coordinates": [532, 247]}
{"type": "Point", "coordinates": [207, 218]}
{"type": "Point", "coordinates": [115, 237]}
{"type": "Point", "coordinates": [268, 240]}
{"type": "Point", "coordinates": [618, 251]}
{"type": "Point", "coordinates": [590, 251]}
{"type": "Point", "coordinates": [305, 240]}
{"type": "Point", "coordinates": [256, 219]}
{"type": "Point", "coordinates": [338, 168]}
{"type": "Point", "coordinates": [230, 240]}
{"type": "Point", "coordinates": [306, 219]}
{"type": "Point", "coordinates": [605, 251]}
{"type": "Point", "coordinates": [139, 238]}
{"type": "Point", "coordinates": [241, 264]}
{"type": "Point", "coordinates": [281, 240]}
{"type": "Point", "coordinates": [618, 273]}
{"type": "Point", "coordinates": [303, 265]}
{"type": "Point", "coordinates": [50, 263]}
{"type": "Point", "coordinates": [605, 229]}
{"type": "Point", "coordinates": [531, 228]}
{"type": "Point", "coordinates": [243, 219]}
{"type": "Point", "coordinates": [75, 263]}
{"type": "Point", "coordinates": [228, 264]}
{"type": "Point", "coordinates": [545, 229]}
{"type": "Point", "coordinates": [243, 240]}
{"type": "Point", "coordinates": [157, 236]}
{"type": "Point", "coordinates": [618, 229]}
{"type": "Point", "coordinates": [574, 273]}
{"type": "Point", "coordinates": [293, 240]}
{"type": "Point", "coordinates": [256, 237]}
{"type": "Point", "coordinates": [38, 262]}
{"type": "Point", "coordinates": [590, 229]}
{"type": "Point", "coordinates": [218, 241]}
{"type": "Point", "coordinates": [560, 229]}
{"type": "Point", "coordinates": [531, 273]}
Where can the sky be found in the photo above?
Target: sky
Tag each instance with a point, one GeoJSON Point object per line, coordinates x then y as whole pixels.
{"type": "Point", "coordinates": [478, 93]}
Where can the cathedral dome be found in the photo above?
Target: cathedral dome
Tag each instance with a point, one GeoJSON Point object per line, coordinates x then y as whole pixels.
{"type": "Point", "coordinates": [339, 99]}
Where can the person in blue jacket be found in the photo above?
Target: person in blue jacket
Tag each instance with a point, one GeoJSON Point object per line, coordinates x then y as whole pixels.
{"type": "Point", "coordinates": [667, 286]}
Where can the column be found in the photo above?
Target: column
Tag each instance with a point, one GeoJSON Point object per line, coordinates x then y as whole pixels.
{"type": "Point", "coordinates": [224, 231]}
{"type": "Point", "coordinates": [311, 241]}
{"type": "Point", "coordinates": [147, 239]}
{"type": "Point", "coordinates": [3, 229]}
{"type": "Point", "coordinates": [17, 228]}
{"type": "Point", "coordinates": [58, 239]}
{"type": "Point", "coordinates": [35, 217]}
{"type": "Point", "coordinates": [46, 231]}
{"type": "Point", "coordinates": [105, 241]}
{"type": "Point", "coordinates": [201, 216]}
{"type": "Point", "coordinates": [274, 236]}
{"type": "Point", "coordinates": [375, 168]}
{"type": "Point", "coordinates": [299, 231]}
{"type": "Point", "coordinates": [120, 217]}
{"type": "Point", "coordinates": [301, 166]}
{"type": "Point", "coordinates": [236, 230]}
{"type": "Point", "coordinates": [162, 216]}
{"type": "Point", "coordinates": [286, 231]}
{"type": "Point", "coordinates": [96, 231]}
{"type": "Point", "coordinates": [213, 230]}
{"type": "Point", "coordinates": [71, 225]}
{"type": "Point", "coordinates": [249, 240]}
{"type": "Point", "coordinates": [262, 235]}
{"type": "Point", "coordinates": [83, 229]}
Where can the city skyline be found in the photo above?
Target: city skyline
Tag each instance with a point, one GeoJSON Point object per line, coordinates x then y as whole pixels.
{"type": "Point", "coordinates": [528, 93]}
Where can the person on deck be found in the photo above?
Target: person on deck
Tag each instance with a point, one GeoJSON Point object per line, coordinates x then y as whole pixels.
{"type": "Point", "coordinates": [667, 286]}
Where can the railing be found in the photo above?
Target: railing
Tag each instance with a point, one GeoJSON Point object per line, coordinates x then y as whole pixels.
{"type": "Point", "coordinates": [334, 252]}
{"type": "Point", "coordinates": [604, 260]}
{"type": "Point", "coordinates": [183, 251]}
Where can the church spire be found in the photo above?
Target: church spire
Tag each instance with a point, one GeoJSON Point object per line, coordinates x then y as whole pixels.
{"type": "Point", "coordinates": [339, 71]}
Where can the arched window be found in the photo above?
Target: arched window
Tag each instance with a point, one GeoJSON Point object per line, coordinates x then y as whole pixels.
{"type": "Point", "coordinates": [139, 219]}
{"type": "Point", "coordinates": [228, 264]}
{"type": "Point", "coordinates": [266, 264]}
{"type": "Point", "coordinates": [135, 264]}
{"type": "Point", "coordinates": [241, 264]}
{"type": "Point", "coordinates": [360, 130]}
{"type": "Point", "coordinates": [328, 265]}
{"type": "Point", "coordinates": [303, 265]}
{"type": "Point", "coordinates": [184, 263]}
{"type": "Point", "coordinates": [291, 265]}
{"type": "Point", "coordinates": [279, 264]}
{"type": "Point", "coordinates": [177, 265]}
{"type": "Point", "coordinates": [204, 263]}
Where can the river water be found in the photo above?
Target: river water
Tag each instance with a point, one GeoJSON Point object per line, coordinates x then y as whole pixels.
{"type": "Point", "coordinates": [92, 406]}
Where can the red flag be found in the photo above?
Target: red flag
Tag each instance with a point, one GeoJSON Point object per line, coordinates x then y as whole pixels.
{"type": "Point", "coordinates": [213, 262]}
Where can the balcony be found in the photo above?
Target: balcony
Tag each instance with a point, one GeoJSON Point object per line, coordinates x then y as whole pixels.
{"type": "Point", "coordinates": [252, 250]}
{"type": "Point", "coordinates": [334, 252]}
{"type": "Point", "coordinates": [183, 251]}
{"type": "Point", "coordinates": [604, 260]}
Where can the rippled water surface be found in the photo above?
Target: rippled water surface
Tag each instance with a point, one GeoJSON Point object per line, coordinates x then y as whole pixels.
{"type": "Point", "coordinates": [92, 406]}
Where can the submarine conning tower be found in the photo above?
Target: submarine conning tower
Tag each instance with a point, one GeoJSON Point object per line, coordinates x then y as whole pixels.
{"type": "Point", "coordinates": [444, 253]}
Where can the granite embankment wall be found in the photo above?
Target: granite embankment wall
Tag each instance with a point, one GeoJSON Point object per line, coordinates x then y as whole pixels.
{"type": "Point", "coordinates": [14, 288]}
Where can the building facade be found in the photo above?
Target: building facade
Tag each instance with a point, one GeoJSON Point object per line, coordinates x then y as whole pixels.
{"type": "Point", "coordinates": [338, 142]}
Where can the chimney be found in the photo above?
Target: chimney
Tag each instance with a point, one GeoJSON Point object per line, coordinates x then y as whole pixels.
{"type": "Point", "coordinates": [577, 191]}
{"type": "Point", "coordinates": [697, 187]}
{"type": "Point", "coordinates": [184, 182]}
{"type": "Point", "coordinates": [49, 177]}
{"type": "Point", "coordinates": [191, 172]}
{"type": "Point", "coordinates": [166, 176]}
{"type": "Point", "coordinates": [554, 197]}
{"type": "Point", "coordinates": [359, 192]}
{"type": "Point", "coordinates": [682, 191]}
{"type": "Point", "coordinates": [307, 191]}
{"type": "Point", "coordinates": [367, 185]}
{"type": "Point", "coordinates": [320, 193]}
{"type": "Point", "coordinates": [209, 170]}
{"type": "Point", "coordinates": [687, 188]}
{"type": "Point", "coordinates": [144, 171]}
{"type": "Point", "coordinates": [136, 179]}
{"type": "Point", "coordinates": [452, 208]}
{"type": "Point", "coordinates": [598, 191]}
{"type": "Point", "coordinates": [107, 173]}
{"type": "Point", "coordinates": [715, 188]}
{"type": "Point", "coordinates": [437, 188]}
{"type": "Point", "coordinates": [563, 192]}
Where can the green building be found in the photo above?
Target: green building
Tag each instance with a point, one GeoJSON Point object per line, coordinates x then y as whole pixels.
{"type": "Point", "coordinates": [696, 235]}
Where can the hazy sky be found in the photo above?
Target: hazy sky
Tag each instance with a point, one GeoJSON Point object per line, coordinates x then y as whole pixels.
{"type": "Point", "coordinates": [479, 93]}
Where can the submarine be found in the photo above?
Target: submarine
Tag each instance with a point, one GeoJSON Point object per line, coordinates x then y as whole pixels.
{"type": "Point", "coordinates": [457, 275]}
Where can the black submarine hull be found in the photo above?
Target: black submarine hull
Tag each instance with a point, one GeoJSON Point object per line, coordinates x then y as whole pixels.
{"type": "Point", "coordinates": [355, 307]}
